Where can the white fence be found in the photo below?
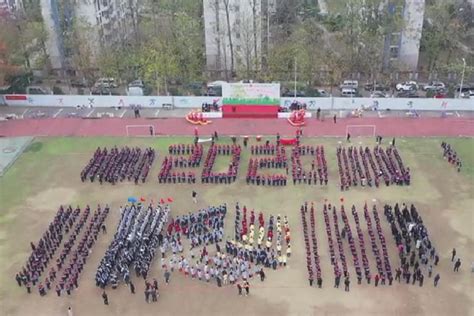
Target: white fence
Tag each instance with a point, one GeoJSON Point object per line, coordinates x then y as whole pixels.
{"type": "Point", "coordinates": [196, 102]}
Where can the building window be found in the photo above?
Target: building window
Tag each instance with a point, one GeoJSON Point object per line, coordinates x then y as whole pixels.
{"type": "Point", "coordinates": [394, 52]}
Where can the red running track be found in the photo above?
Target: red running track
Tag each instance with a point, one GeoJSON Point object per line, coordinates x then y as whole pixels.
{"type": "Point", "coordinates": [395, 127]}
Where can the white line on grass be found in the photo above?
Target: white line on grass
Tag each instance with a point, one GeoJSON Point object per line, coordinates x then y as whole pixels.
{"type": "Point", "coordinates": [123, 113]}
{"type": "Point", "coordinates": [90, 113]}
{"type": "Point", "coordinates": [24, 112]}
{"type": "Point", "coordinates": [57, 113]}
{"type": "Point", "coordinates": [156, 113]}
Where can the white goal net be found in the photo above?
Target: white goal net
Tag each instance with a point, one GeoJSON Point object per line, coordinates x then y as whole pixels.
{"type": "Point", "coordinates": [140, 130]}
{"type": "Point", "coordinates": [361, 130]}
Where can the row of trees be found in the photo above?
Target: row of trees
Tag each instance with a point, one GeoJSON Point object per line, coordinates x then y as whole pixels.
{"type": "Point", "coordinates": [167, 43]}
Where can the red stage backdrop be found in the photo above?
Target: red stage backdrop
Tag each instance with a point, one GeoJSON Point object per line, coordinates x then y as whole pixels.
{"type": "Point", "coordinates": [258, 100]}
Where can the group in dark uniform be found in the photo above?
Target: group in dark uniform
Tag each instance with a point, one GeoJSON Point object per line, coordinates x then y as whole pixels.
{"type": "Point", "coordinates": [451, 156]}
{"type": "Point", "coordinates": [138, 235]}
{"type": "Point", "coordinates": [415, 248]}
{"type": "Point", "coordinates": [118, 165]}
{"type": "Point", "coordinates": [67, 222]}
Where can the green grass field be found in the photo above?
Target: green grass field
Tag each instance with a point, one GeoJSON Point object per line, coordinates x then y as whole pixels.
{"type": "Point", "coordinates": [47, 175]}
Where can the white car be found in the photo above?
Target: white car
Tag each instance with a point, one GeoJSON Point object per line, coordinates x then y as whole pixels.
{"type": "Point", "coordinates": [407, 86]}
{"type": "Point", "coordinates": [434, 86]}
{"type": "Point", "coordinates": [378, 94]}
{"type": "Point", "coordinates": [349, 84]}
{"type": "Point", "coordinates": [468, 95]}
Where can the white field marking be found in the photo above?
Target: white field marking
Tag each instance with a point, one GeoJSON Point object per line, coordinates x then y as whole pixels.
{"type": "Point", "coordinates": [24, 112]}
{"type": "Point", "coordinates": [457, 113]}
{"type": "Point", "coordinates": [90, 113]}
{"type": "Point", "coordinates": [123, 113]}
{"type": "Point", "coordinates": [57, 113]}
{"type": "Point", "coordinates": [156, 113]}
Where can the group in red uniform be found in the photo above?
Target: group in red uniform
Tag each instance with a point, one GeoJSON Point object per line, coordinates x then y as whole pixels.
{"type": "Point", "coordinates": [358, 166]}
{"type": "Point", "coordinates": [208, 176]}
{"type": "Point", "coordinates": [311, 248]}
{"type": "Point", "coordinates": [279, 160]}
{"type": "Point", "coordinates": [117, 165]}
{"type": "Point", "coordinates": [166, 175]}
{"type": "Point", "coordinates": [319, 170]}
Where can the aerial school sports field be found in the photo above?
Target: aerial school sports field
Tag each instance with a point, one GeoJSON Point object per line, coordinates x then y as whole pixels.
{"type": "Point", "coordinates": [326, 243]}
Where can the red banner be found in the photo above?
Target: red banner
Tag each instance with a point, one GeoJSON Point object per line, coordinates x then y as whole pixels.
{"type": "Point", "coordinates": [288, 141]}
{"type": "Point", "coordinates": [15, 97]}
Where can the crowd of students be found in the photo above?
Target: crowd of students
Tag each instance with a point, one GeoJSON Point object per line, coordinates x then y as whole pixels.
{"type": "Point", "coordinates": [203, 227]}
{"type": "Point", "coordinates": [319, 170]}
{"type": "Point", "coordinates": [116, 165]}
{"type": "Point", "coordinates": [66, 222]}
{"type": "Point", "coordinates": [358, 167]}
{"type": "Point", "coordinates": [415, 248]}
{"type": "Point", "coordinates": [382, 260]}
{"type": "Point", "coordinates": [135, 242]}
{"type": "Point", "coordinates": [279, 160]}
{"type": "Point", "coordinates": [311, 248]}
{"type": "Point", "coordinates": [451, 155]}
{"type": "Point", "coordinates": [166, 175]}
{"type": "Point", "coordinates": [208, 176]}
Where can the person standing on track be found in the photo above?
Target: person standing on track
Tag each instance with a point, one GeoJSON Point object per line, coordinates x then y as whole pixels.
{"type": "Point", "coordinates": [194, 195]}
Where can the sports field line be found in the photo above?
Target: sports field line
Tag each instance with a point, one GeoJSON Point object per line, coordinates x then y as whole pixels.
{"type": "Point", "coordinates": [57, 113]}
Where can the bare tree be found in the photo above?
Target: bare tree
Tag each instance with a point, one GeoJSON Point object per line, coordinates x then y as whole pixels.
{"type": "Point", "coordinates": [253, 4]}
{"type": "Point", "coordinates": [229, 34]}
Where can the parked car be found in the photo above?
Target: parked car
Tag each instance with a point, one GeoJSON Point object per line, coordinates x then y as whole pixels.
{"type": "Point", "coordinates": [434, 86]}
{"type": "Point", "coordinates": [407, 86]}
{"type": "Point", "coordinates": [349, 84]}
{"type": "Point", "coordinates": [104, 91]}
{"type": "Point", "coordinates": [136, 83]}
{"type": "Point", "coordinates": [36, 90]}
{"type": "Point", "coordinates": [79, 83]}
{"type": "Point", "coordinates": [440, 95]}
{"type": "Point", "coordinates": [349, 92]}
{"type": "Point", "coordinates": [468, 94]}
{"type": "Point", "coordinates": [291, 93]}
{"type": "Point", "coordinates": [407, 94]}
{"type": "Point", "coordinates": [106, 83]}
{"type": "Point", "coordinates": [216, 84]}
{"type": "Point", "coordinates": [376, 87]}
{"type": "Point", "coordinates": [323, 93]}
{"type": "Point", "coordinates": [378, 94]}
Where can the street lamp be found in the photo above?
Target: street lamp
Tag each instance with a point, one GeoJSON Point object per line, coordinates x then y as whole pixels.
{"type": "Point", "coordinates": [462, 76]}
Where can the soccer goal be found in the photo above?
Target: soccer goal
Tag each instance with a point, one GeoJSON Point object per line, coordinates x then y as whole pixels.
{"type": "Point", "coordinates": [361, 130]}
{"type": "Point", "coordinates": [140, 130]}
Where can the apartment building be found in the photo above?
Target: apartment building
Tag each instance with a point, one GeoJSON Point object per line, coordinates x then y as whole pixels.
{"type": "Point", "coordinates": [109, 22]}
{"type": "Point", "coordinates": [236, 34]}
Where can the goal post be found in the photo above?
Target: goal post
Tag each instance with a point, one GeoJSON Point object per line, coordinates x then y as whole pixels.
{"type": "Point", "coordinates": [140, 130]}
{"type": "Point", "coordinates": [361, 130]}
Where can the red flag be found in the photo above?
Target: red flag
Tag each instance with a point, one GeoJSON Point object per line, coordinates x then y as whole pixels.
{"type": "Point", "coordinates": [162, 201]}
{"type": "Point", "coordinates": [170, 200]}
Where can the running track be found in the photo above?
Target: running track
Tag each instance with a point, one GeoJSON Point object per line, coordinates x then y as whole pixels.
{"type": "Point", "coordinates": [396, 127]}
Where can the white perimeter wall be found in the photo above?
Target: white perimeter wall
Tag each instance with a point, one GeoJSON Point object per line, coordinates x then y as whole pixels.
{"type": "Point", "coordinates": [196, 102]}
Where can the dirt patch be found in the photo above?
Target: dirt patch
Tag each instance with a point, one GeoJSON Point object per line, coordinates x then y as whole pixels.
{"type": "Point", "coordinates": [50, 199]}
